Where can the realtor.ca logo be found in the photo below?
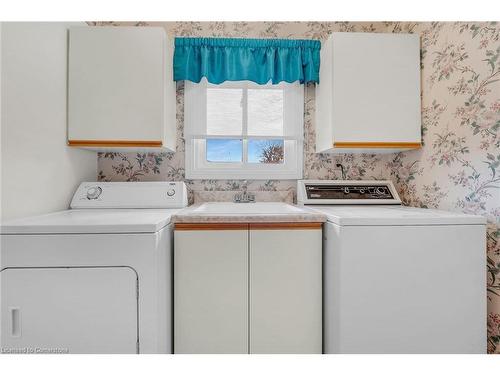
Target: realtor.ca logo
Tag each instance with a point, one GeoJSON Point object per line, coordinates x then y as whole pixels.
{"type": "Point", "coordinates": [30, 350]}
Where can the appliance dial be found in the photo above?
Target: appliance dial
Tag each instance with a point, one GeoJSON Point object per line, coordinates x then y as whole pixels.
{"type": "Point", "coordinates": [94, 192]}
{"type": "Point", "coordinates": [380, 191]}
{"type": "Point", "coordinates": [170, 192]}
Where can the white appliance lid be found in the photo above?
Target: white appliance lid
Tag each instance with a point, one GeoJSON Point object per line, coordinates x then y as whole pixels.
{"type": "Point", "coordinates": [394, 215]}
{"type": "Point", "coordinates": [91, 221]}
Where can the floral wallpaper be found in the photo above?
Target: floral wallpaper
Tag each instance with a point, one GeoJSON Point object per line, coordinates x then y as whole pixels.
{"type": "Point", "coordinates": [458, 167]}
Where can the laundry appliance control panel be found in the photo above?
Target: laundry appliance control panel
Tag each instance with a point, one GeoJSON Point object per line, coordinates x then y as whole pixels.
{"type": "Point", "coordinates": [346, 192]}
{"type": "Point", "coordinates": [159, 194]}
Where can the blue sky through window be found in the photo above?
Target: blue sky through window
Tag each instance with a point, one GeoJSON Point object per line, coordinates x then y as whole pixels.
{"type": "Point", "coordinates": [256, 146]}
{"type": "Point", "coordinates": [224, 150]}
{"type": "Point", "coordinates": [231, 150]}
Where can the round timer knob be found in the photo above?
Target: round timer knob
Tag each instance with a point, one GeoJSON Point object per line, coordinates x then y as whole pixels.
{"type": "Point", "coordinates": [94, 192]}
{"type": "Point", "coordinates": [170, 192]}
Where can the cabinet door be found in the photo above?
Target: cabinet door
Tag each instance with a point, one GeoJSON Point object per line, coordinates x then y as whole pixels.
{"type": "Point", "coordinates": [211, 291]}
{"type": "Point", "coordinates": [74, 310]}
{"type": "Point", "coordinates": [285, 291]}
{"type": "Point", "coordinates": [120, 87]}
{"type": "Point", "coordinates": [369, 93]}
{"type": "Point", "coordinates": [376, 88]}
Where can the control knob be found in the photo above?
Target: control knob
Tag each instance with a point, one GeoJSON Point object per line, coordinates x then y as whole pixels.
{"type": "Point", "coordinates": [170, 192]}
{"type": "Point", "coordinates": [94, 192]}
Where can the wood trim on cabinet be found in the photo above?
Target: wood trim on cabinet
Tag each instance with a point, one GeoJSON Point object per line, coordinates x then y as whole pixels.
{"type": "Point", "coordinates": [286, 226]}
{"type": "Point", "coordinates": [247, 226]}
{"type": "Point", "coordinates": [377, 144]}
{"type": "Point", "coordinates": [211, 226]}
{"type": "Point", "coordinates": [112, 143]}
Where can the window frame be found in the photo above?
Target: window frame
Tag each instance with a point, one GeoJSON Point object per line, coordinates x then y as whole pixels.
{"type": "Point", "coordinates": [195, 110]}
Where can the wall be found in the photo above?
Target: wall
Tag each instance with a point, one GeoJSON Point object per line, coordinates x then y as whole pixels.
{"type": "Point", "coordinates": [39, 172]}
{"type": "Point", "coordinates": [458, 167]}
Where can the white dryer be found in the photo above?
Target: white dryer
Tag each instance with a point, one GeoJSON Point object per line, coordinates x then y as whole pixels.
{"type": "Point", "coordinates": [96, 278]}
{"type": "Point", "coordinates": [398, 279]}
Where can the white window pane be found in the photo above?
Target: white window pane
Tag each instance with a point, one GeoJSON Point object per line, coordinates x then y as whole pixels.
{"type": "Point", "coordinates": [269, 151]}
{"type": "Point", "coordinates": [265, 112]}
{"type": "Point", "coordinates": [224, 111]}
{"type": "Point", "coordinates": [224, 150]}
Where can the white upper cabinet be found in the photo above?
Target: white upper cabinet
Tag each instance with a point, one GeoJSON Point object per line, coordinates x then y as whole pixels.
{"type": "Point", "coordinates": [121, 92]}
{"type": "Point", "coordinates": [368, 97]}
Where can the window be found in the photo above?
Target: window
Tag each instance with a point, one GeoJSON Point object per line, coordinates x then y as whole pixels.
{"type": "Point", "coordinates": [243, 130]}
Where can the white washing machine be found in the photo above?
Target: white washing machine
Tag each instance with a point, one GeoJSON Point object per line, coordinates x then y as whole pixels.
{"type": "Point", "coordinates": [398, 279]}
{"type": "Point", "coordinates": [96, 278]}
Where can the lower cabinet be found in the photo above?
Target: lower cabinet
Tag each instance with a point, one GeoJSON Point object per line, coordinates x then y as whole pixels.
{"type": "Point", "coordinates": [248, 289]}
{"type": "Point", "coordinates": [285, 291]}
{"type": "Point", "coordinates": [211, 291]}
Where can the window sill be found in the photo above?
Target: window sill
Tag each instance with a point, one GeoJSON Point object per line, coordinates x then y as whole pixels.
{"type": "Point", "coordinates": [243, 175]}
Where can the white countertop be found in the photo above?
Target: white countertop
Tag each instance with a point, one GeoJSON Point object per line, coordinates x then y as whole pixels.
{"type": "Point", "coordinates": [261, 212]}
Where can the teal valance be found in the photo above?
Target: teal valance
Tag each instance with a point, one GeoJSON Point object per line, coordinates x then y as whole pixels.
{"type": "Point", "coordinates": [257, 60]}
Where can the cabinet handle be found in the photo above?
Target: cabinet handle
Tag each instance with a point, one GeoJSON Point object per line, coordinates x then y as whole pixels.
{"type": "Point", "coordinates": [15, 319]}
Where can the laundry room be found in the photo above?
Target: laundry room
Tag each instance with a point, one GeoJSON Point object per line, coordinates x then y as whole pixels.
{"type": "Point", "coordinates": [250, 187]}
